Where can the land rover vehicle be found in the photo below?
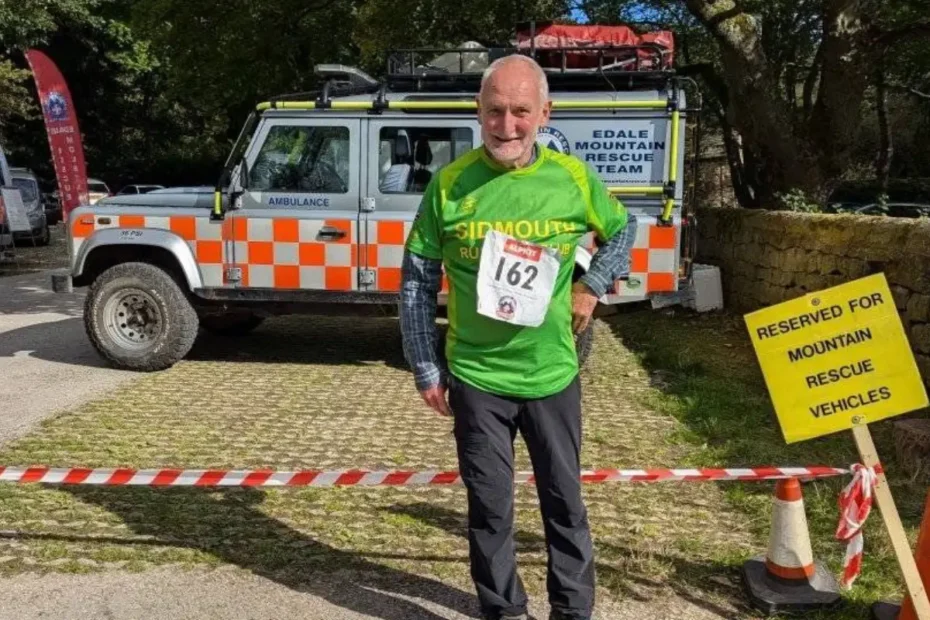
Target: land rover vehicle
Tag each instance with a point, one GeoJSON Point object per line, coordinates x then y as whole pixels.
{"type": "Point", "coordinates": [318, 195]}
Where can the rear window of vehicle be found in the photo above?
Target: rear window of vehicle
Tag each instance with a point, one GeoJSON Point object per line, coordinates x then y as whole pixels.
{"type": "Point", "coordinates": [28, 188]}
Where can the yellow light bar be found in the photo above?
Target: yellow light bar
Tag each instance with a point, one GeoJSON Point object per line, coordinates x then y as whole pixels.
{"type": "Point", "coordinates": [454, 105]}
{"type": "Point", "coordinates": [634, 189]}
{"type": "Point", "coordinates": [571, 105]}
{"type": "Point", "coordinates": [429, 105]}
{"type": "Point", "coordinates": [673, 164]}
{"type": "Point", "coordinates": [672, 167]}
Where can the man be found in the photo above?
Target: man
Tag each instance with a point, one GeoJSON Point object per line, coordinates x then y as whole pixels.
{"type": "Point", "coordinates": [504, 220]}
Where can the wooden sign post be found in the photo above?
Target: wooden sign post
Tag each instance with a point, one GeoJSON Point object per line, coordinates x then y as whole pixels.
{"type": "Point", "coordinates": [836, 360]}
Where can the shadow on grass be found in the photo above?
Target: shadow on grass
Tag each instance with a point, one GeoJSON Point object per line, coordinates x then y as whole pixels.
{"type": "Point", "coordinates": [309, 339]}
{"type": "Point", "coordinates": [702, 584]}
{"type": "Point", "coordinates": [229, 524]}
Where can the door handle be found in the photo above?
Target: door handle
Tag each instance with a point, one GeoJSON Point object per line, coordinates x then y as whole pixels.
{"type": "Point", "coordinates": [329, 232]}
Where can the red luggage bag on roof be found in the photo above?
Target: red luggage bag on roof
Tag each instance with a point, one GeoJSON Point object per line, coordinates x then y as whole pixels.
{"type": "Point", "coordinates": [584, 38]}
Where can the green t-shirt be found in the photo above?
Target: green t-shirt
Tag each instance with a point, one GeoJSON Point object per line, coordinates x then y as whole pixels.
{"type": "Point", "coordinates": [553, 202]}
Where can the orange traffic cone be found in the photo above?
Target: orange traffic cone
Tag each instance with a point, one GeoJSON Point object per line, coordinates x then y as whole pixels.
{"type": "Point", "coordinates": [787, 579]}
{"type": "Point", "coordinates": [889, 611]}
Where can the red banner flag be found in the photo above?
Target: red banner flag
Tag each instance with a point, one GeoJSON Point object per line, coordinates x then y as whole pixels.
{"type": "Point", "coordinates": [64, 137]}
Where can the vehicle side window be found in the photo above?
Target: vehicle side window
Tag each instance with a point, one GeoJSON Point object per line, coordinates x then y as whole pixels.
{"type": "Point", "coordinates": [28, 189]}
{"type": "Point", "coordinates": [303, 159]}
{"type": "Point", "coordinates": [409, 156]}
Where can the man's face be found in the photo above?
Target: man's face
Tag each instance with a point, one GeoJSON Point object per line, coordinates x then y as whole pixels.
{"type": "Point", "coordinates": [511, 112]}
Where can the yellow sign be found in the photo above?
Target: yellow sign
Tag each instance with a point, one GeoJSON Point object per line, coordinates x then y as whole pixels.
{"type": "Point", "coordinates": [836, 358]}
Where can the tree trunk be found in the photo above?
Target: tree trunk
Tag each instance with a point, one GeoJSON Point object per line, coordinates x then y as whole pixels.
{"type": "Point", "coordinates": [885, 148]}
{"type": "Point", "coordinates": [742, 188]}
{"type": "Point", "coordinates": [777, 157]}
{"type": "Point", "coordinates": [837, 113]}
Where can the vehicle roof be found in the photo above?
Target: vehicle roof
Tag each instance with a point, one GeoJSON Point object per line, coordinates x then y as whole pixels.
{"type": "Point", "coordinates": [605, 95]}
{"type": "Point", "coordinates": [468, 95]}
{"type": "Point", "coordinates": [23, 173]}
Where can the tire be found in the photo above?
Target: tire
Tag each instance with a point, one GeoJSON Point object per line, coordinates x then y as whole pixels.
{"type": "Point", "coordinates": [230, 323]}
{"type": "Point", "coordinates": [46, 237]}
{"type": "Point", "coordinates": [162, 325]}
{"type": "Point", "coordinates": [584, 343]}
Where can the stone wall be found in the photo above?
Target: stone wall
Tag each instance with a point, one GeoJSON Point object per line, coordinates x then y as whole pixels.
{"type": "Point", "coordinates": [766, 257]}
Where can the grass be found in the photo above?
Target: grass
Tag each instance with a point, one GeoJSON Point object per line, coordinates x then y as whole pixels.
{"type": "Point", "coordinates": [659, 391]}
{"type": "Point", "coordinates": [334, 393]}
{"type": "Point", "coordinates": [707, 377]}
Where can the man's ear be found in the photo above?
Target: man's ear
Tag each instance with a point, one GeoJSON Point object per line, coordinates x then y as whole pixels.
{"type": "Point", "coordinates": [547, 112]}
{"type": "Point", "coordinates": [478, 109]}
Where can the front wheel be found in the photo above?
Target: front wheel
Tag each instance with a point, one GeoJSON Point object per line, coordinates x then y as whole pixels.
{"type": "Point", "coordinates": [138, 318]}
{"type": "Point", "coordinates": [45, 235]}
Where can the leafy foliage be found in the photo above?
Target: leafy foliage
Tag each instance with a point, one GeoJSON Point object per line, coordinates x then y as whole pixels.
{"type": "Point", "coordinates": [162, 86]}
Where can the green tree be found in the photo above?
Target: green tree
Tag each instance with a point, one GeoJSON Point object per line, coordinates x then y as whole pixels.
{"type": "Point", "coordinates": [393, 24]}
{"type": "Point", "coordinates": [791, 81]}
{"type": "Point", "coordinates": [25, 23]}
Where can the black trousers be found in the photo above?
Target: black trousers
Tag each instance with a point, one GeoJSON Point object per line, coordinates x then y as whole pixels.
{"type": "Point", "coordinates": [485, 428]}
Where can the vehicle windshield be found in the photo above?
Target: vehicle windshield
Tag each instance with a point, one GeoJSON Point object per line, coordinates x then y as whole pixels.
{"type": "Point", "coordinates": [28, 188]}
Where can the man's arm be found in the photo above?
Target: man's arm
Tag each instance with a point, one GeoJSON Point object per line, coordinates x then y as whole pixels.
{"type": "Point", "coordinates": [421, 279]}
{"type": "Point", "coordinates": [612, 260]}
{"type": "Point", "coordinates": [614, 225]}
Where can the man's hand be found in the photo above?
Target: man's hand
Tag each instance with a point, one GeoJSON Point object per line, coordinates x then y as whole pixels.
{"type": "Point", "coordinates": [583, 303]}
{"type": "Point", "coordinates": [435, 397]}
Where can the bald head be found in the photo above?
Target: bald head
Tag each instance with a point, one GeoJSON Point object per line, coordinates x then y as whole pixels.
{"type": "Point", "coordinates": [518, 66]}
{"type": "Point", "coordinates": [513, 104]}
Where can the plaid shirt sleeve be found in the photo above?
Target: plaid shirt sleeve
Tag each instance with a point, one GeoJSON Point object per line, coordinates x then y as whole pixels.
{"type": "Point", "coordinates": [421, 279]}
{"type": "Point", "coordinates": [612, 260]}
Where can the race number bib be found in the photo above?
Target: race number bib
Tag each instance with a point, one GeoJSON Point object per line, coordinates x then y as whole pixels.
{"type": "Point", "coordinates": [515, 280]}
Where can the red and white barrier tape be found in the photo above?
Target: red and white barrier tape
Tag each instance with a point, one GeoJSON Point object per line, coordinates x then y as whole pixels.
{"type": "Point", "coordinates": [855, 504]}
{"type": "Point", "coordinates": [312, 478]}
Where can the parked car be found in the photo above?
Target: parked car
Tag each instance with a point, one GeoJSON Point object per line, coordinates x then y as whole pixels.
{"type": "Point", "coordinates": [138, 189]}
{"type": "Point", "coordinates": [28, 185]}
{"type": "Point", "coordinates": [865, 197]}
{"type": "Point", "coordinates": [97, 189]}
{"type": "Point", "coordinates": [894, 209]}
{"type": "Point", "coordinates": [6, 239]}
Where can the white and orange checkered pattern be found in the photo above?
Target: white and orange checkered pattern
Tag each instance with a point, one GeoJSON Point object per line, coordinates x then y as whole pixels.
{"type": "Point", "coordinates": [385, 247]}
{"type": "Point", "coordinates": [288, 253]}
{"type": "Point", "coordinates": [385, 243]}
{"type": "Point", "coordinates": [204, 237]}
{"type": "Point", "coordinates": [653, 265]}
{"type": "Point", "coordinates": [284, 253]}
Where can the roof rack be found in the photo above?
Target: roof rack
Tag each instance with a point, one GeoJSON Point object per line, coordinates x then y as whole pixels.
{"type": "Point", "coordinates": [462, 68]}
{"type": "Point", "coordinates": [341, 81]}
